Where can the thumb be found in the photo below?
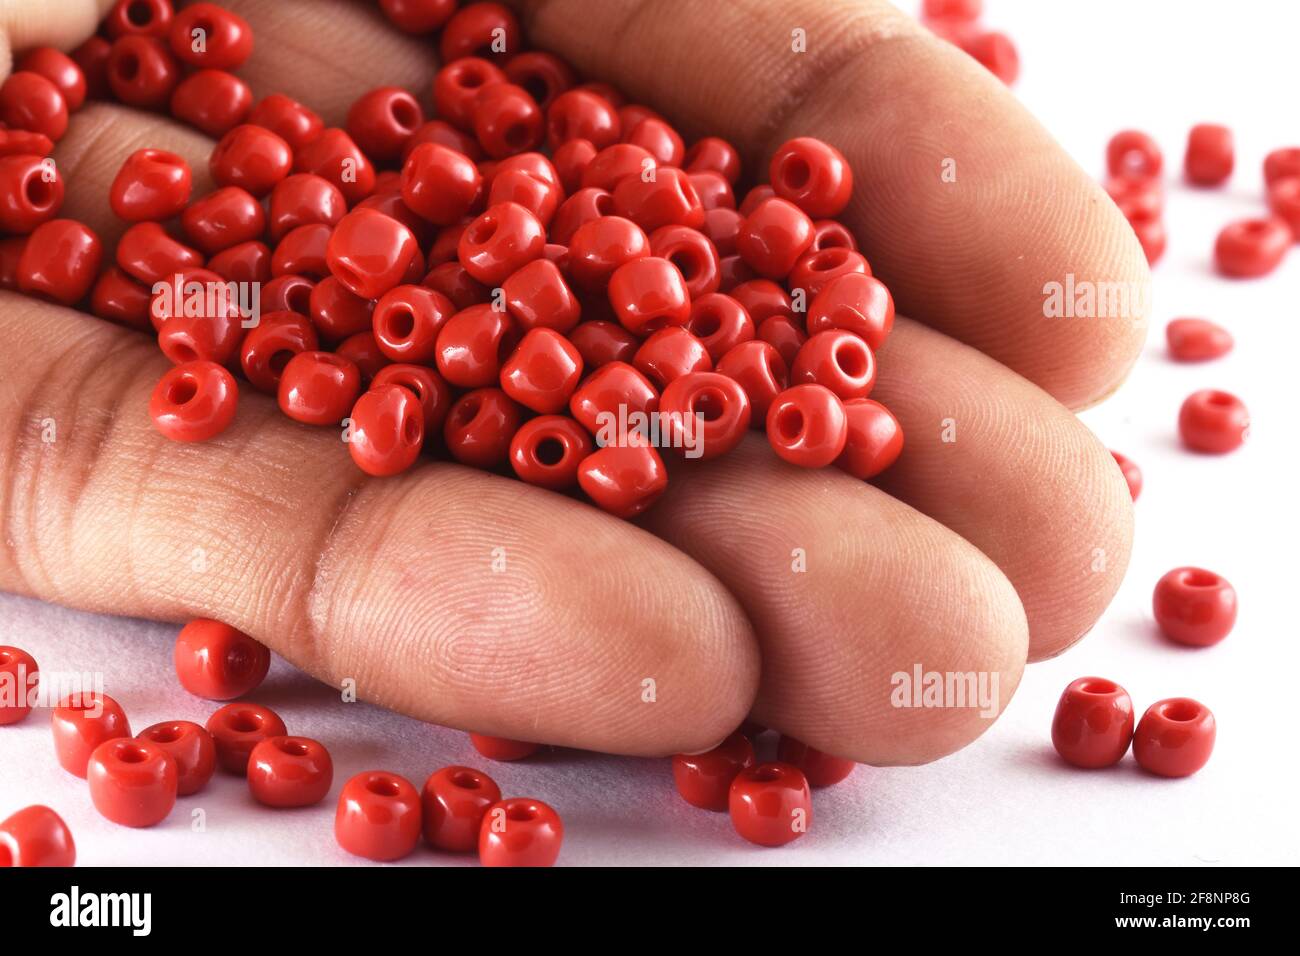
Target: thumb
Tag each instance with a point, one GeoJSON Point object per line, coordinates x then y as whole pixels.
{"type": "Point", "coordinates": [28, 23]}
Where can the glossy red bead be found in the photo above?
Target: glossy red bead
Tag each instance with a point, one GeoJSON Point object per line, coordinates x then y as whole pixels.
{"type": "Point", "coordinates": [209, 36]}
{"type": "Point", "coordinates": [1133, 153]}
{"type": "Point", "coordinates": [60, 69]}
{"type": "Point", "coordinates": [19, 679]}
{"type": "Point", "coordinates": [1281, 163]}
{"type": "Point", "coordinates": [132, 782]}
{"type": "Point", "coordinates": [217, 662]}
{"type": "Point", "coordinates": [581, 114]}
{"type": "Point", "coordinates": [338, 313]}
{"type": "Point", "coordinates": [813, 175]}
{"type": "Point", "coordinates": [1284, 202]}
{"type": "Point", "coordinates": [440, 184]}
{"type": "Point", "coordinates": [1151, 235]}
{"type": "Point", "coordinates": [332, 155]}
{"type": "Point", "coordinates": [614, 389]}
{"type": "Point", "coordinates": [785, 334]}
{"type": "Point", "coordinates": [770, 804]}
{"type": "Point", "coordinates": [147, 253]}
{"type": "Point", "coordinates": [289, 772]}
{"type": "Point", "coordinates": [142, 72]}
{"type": "Point", "coordinates": [473, 345]}
{"type": "Point", "coordinates": [1138, 199]}
{"type": "Point", "coordinates": [212, 101]}
{"type": "Point", "coordinates": [539, 298]}
{"type": "Point", "coordinates": [759, 369]}
{"type": "Point", "coordinates": [520, 831]}
{"type": "Point", "coordinates": [302, 252]}
{"type": "Point", "coordinates": [1252, 247]}
{"type": "Point", "coordinates": [206, 328]}
{"type": "Point", "coordinates": [507, 120]}
{"type": "Point", "coordinates": [693, 255]}
{"type": "Point", "coordinates": [598, 248]}
{"type": "Point", "coordinates": [480, 427]}
{"type": "Point", "coordinates": [838, 359]}
{"type": "Point", "coordinates": [649, 294]}
{"type": "Point", "coordinates": [704, 780]}
{"type": "Point", "coordinates": [451, 279]}
{"type": "Point", "coordinates": [454, 801]}
{"type": "Point", "coordinates": [382, 120]}
{"type": "Point", "coordinates": [611, 165]}
{"type": "Point", "coordinates": [293, 122]}
{"type": "Point", "coordinates": [661, 197]}
{"type": "Point", "coordinates": [248, 263]}
{"type": "Point", "coordinates": [151, 18]}
{"type": "Point", "coordinates": [544, 75]}
{"type": "Point", "coordinates": [407, 320]}
{"type": "Point", "coordinates": [547, 450]}
{"type": "Point", "coordinates": [92, 57]}
{"type": "Point", "coordinates": [481, 29]}
{"type": "Point", "coordinates": [623, 480]}
{"type": "Point", "coordinates": [287, 293]}
{"type": "Point", "coordinates": [1213, 421]}
{"type": "Point", "coordinates": [818, 268]}
{"type": "Point", "coordinates": [720, 323]}
{"type": "Point", "coordinates": [820, 769]}
{"type": "Point", "coordinates": [874, 442]}
{"type": "Point", "coordinates": [856, 302]}
{"type": "Point", "coordinates": [252, 158]}
{"type": "Point", "coordinates": [194, 401]}
{"type": "Point", "coordinates": [714, 192]}
{"type": "Point", "coordinates": [707, 413]}
{"type": "Point", "coordinates": [36, 836]}
{"type": "Point", "coordinates": [239, 727]}
{"type": "Point", "coordinates": [190, 747]}
{"type": "Point", "coordinates": [1093, 723]}
{"type": "Point", "coordinates": [418, 16]}
{"type": "Point", "coordinates": [31, 192]}
{"type": "Point", "coordinates": [318, 388]}
{"type": "Point", "coordinates": [370, 253]}
{"type": "Point", "coordinates": [669, 354]}
{"type": "Point", "coordinates": [60, 261]}
{"type": "Point", "coordinates": [500, 242]}
{"type": "Point", "coordinates": [1196, 340]}
{"type": "Point", "coordinates": [378, 816]}
{"type": "Point", "coordinates": [539, 197]}
{"type": "Point", "coordinates": [774, 237]}
{"type": "Point", "coordinates": [542, 372]}
{"type": "Point", "coordinates": [81, 722]}
{"type": "Point", "coordinates": [807, 426]}
{"type": "Point", "coordinates": [457, 85]}
{"type": "Point", "coordinates": [387, 430]}
{"type": "Point", "coordinates": [21, 142]}
{"type": "Point", "coordinates": [601, 342]}
{"type": "Point", "coordinates": [502, 748]}
{"type": "Point", "coordinates": [712, 154]}
{"type": "Point", "coordinates": [222, 219]}
{"type": "Point", "coordinates": [657, 137]}
{"type": "Point", "coordinates": [1131, 472]}
{"type": "Point", "coordinates": [1209, 157]}
{"type": "Point", "coordinates": [31, 102]}
{"type": "Point", "coordinates": [1174, 738]}
{"type": "Point", "coordinates": [1194, 607]}
{"type": "Point", "coordinates": [362, 350]}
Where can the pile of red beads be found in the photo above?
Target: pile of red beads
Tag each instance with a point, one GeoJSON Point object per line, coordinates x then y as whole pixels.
{"type": "Point", "coordinates": [543, 277]}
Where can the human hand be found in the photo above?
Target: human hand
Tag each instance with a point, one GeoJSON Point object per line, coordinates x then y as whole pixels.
{"type": "Point", "coordinates": [968, 555]}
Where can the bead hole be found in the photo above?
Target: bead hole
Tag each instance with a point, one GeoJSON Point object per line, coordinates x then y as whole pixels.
{"type": "Point", "coordinates": [404, 113]}
{"type": "Point", "coordinates": [1181, 711]}
{"type": "Point", "coordinates": [383, 787]}
{"type": "Point", "coordinates": [1200, 579]}
{"type": "Point", "coordinates": [165, 735]}
{"type": "Point", "coordinates": [767, 774]}
{"type": "Point", "coordinates": [1098, 687]}
{"type": "Point", "coordinates": [706, 323]}
{"type": "Point", "coordinates": [482, 230]}
{"type": "Point", "coordinates": [687, 262]}
{"type": "Point", "coordinates": [710, 403]}
{"type": "Point", "coordinates": [851, 360]}
{"type": "Point", "coordinates": [1221, 399]}
{"type": "Point", "coordinates": [401, 322]}
{"type": "Point", "coordinates": [182, 391]}
{"type": "Point", "coordinates": [280, 359]}
{"type": "Point", "coordinates": [829, 259]}
{"type": "Point", "coordinates": [465, 780]}
{"type": "Point", "coordinates": [536, 86]}
{"type": "Point", "coordinates": [412, 430]}
{"type": "Point", "coordinates": [140, 14]}
{"type": "Point", "coordinates": [795, 172]}
{"type": "Point", "coordinates": [521, 814]}
{"type": "Point", "coordinates": [294, 748]}
{"type": "Point", "coordinates": [130, 753]}
{"type": "Point", "coordinates": [550, 451]}
{"type": "Point", "coordinates": [128, 68]}
{"type": "Point", "coordinates": [40, 194]}
{"type": "Point", "coordinates": [605, 204]}
{"type": "Point", "coordinates": [790, 423]}
{"type": "Point", "coordinates": [244, 723]}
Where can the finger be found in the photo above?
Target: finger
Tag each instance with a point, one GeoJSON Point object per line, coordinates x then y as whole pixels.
{"type": "Point", "coordinates": [445, 593]}
{"type": "Point", "coordinates": [1001, 463]}
{"type": "Point", "coordinates": [972, 254]}
{"type": "Point", "coordinates": [847, 588]}
{"type": "Point", "coordinates": [29, 23]}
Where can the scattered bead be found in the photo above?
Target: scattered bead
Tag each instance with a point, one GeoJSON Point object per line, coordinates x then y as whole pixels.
{"type": "Point", "coordinates": [1194, 607]}
{"type": "Point", "coordinates": [289, 772]}
{"type": "Point", "coordinates": [237, 728]}
{"type": "Point", "coordinates": [454, 801]}
{"type": "Point", "coordinates": [378, 816]}
{"type": "Point", "coordinates": [770, 804]}
{"type": "Point", "coordinates": [36, 836]}
{"type": "Point", "coordinates": [132, 782]}
{"type": "Point", "coordinates": [192, 749]}
{"type": "Point", "coordinates": [1214, 422]}
{"type": "Point", "coordinates": [1093, 723]}
{"type": "Point", "coordinates": [217, 662]}
{"type": "Point", "coordinates": [1174, 738]}
{"type": "Point", "coordinates": [704, 780]}
{"type": "Point", "coordinates": [520, 832]}
{"type": "Point", "coordinates": [1196, 340]}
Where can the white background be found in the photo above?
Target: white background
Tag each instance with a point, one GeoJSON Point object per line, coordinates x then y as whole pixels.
{"type": "Point", "coordinates": [1089, 69]}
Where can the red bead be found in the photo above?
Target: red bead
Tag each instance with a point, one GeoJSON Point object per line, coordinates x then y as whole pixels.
{"type": "Point", "coordinates": [601, 342]}
{"type": "Point", "coordinates": [668, 198]}
{"type": "Point", "coordinates": [1196, 340]}
{"type": "Point", "coordinates": [92, 56]}
{"type": "Point", "coordinates": [817, 269]}
{"type": "Point", "coordinates": [378, 816]}
{"type": "Point", "coordinates": [693, 255]}
{"type": "Point", "coordinates": [1174, 738]}
{"type": "Point", "coordinates": [207, 328]}
{"type": "Point", "coordinates": [454, 801]}
{"type": "Point", "coordinates": [538, 196]}
{"type": "Point", "coordinates": [712, 154]}
{"type": "Point", "coordinates": [418, 16]}
{"type": "Point", "coordinates": [581, 114]}
{"type": "Point", "coordinates": [856, 302]}
{"type": "Point", "coordinates": [1194, 607]}
{"type": "Point", "coordinates": [770, 804]}
{"type": "Point", "coordinates": [288, 293]}
{"type": "Point", "coordinates": [237, 728]}
{"type": "Point", "coordinates": [995, 52]}
{"type": "Point", "coordinates": [547, 450]}
{"type": "Point", "coordinates": [716, 406]}
{"type": "Point", "coordinates": [36, 836]}
{"type": "Point", "coordinates": [248, 263]}
{"type": "Point", "coordinates": [60, 261]}
{"type": "Point", "coordinates": [217, 662]}
{"type": "Point", "coordinates": [614, 386]}
{"type": "Point", "coordinates": [192, 749]}
{"type": "Point", "coordinates": [1138, 198]}
{"type": "Point", "coordinates": [480, 427]}
{"type": "Point", "coordinates": [875, 440]}
{"type": "Point", "coordinates": [649, 294]}
{"type": "Point", "coordinates": [337, 313]}
{"type": "Point", "coordinates": [1093, 723]}
{"type": "Point", "coordinates": [538, 297]}
{"type": "Point", "coordinates": [813, 175]}
{"type": "Point", "coordinates": [829, 234]}
{"type": "Point", "coordinates": [19, 677]}
{"type": "Point", "coordinates": [222, 219]}
{"type": "Point", "coordinates": [457, 85]}
{"type": "Point", "coordinates": [473, 344]}
{"type": "Point", "coordinates": [838, 359]}
{"type": "Point", "coordinates": [303, 199]}
{"type": "Point", "coordinates": [142, 72]}
{"type": "Point", "coordinates": [542, 372]}
{"type": "Point", "coordinates": [212, 101]}
{"type": "Point", "coordinates": [759, 369]}
{"type": "Point", "coordinates": [441, 133]}
{"type": "Point", "coordinates": [664, 143]}
{"type": "Point", "coordinates": [132, 782]}
{"type": "Point", "coordinates": [332, 155]}
{"type": "Point", "coordinates": [407, 320]}
{"type": "Point", "coordinates": [362, 350]}
{"type": "Point", "coordinates": [714, 192]}
{"type": "Point", "coordinates": [1209, 157]}
{"type": "Point", "coordinates": [194, 401]}
{"type": "Point", "coordinates": [440, 184]}
{"type": "Point", "coordinates": [303, 252]}
{"type": "Point", "coordinates": [774, 237]}
{"type": "Point", "coordinates": [506, 120]}
{"type": "Point", "coordinates": [1252, 247]}
{"type": "Point", "coordinates": [763, 299]}
{"type": "Point", "coordinates": [387, 430]}
{"type": "Point", "coordinates": [1284, 202]}
{"type": "Point", "coordinates": [704, 780]}
{"type": "Point", "coordinates": [807, 426]}
{"type": "Point", "coordinates": [1133, 153]}
{"type": "Point", "coordinates": [615, 163]}
{"type": "Point", "coordinates": [1213, 421]}
{"type": "Point", "coordinates": [289, 772]}
{"type": "Point", "coordinates": [755, 198]}
{"type": "Point", "coordinates": [1151, 235]}
{"type": "Point", "coordinates": [499, 242]}
{"type": "Point", "coordinates": [148, 254]}
{"type": "Point", "coordinates": [481, 29]}
{"type": "Point", "coordinates": [81, 723]}
{"type": "Point", "coordinates": [211, 37]}
{"type": "Point", "coordinates": [784, 334]}
{"type": "Point", "coordinates": [31, 192]}
{"type": "Point", "coordinates": [21, 142]}
{"type": "Point", "coordinates": [30, 101]}
{"type": "Point", "coordinates": [370, 253]}
{"type": "Point", "coordinates": [520, 832]}
{"type": "Point", "coordinates": [601, 246]}
{"type": "Point", "coordinates": [294, 123]}
{"type": "Point", "coordinates": [669, 354]}
{"type": "Point", "coordinates": [502, 748]}
{"type": "Point", "coordinates": [1132, 474]}
{"type": "Point", "coordinates": [544, 75]}
{"type": "Point", "coordinates": [1281, 164]}
{"type": "Point", "coordinates": [451, 279]}
{"type": "Point", "coordinates": [720, 323]}
{"type": "Point", "coordinates": [252, 158]}
{"type": "Point", "coordinates": [820, 769]}
{"type": "Point", "coordinates": [623, 480]}
{"type": "Point", "coordinates": [319, 388]}
{"type": "Point", "coordinates": [60, 69]}
{"type": "Point", "coordinates": [382, 120]}
{"type": "Point", "coordinates": [152, 18]}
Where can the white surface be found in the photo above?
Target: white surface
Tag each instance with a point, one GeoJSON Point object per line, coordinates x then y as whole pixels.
{"type": "Point", "coordinates": [1088, 70]}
